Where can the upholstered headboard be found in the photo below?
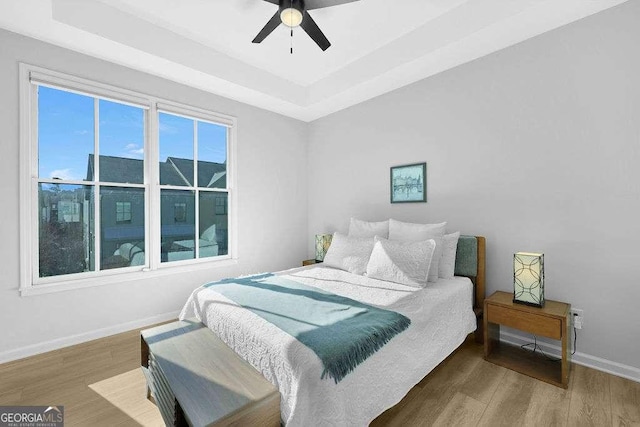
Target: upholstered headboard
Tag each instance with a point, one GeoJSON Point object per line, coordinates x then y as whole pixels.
{"type": "Point", "coordinates": [470, 262]}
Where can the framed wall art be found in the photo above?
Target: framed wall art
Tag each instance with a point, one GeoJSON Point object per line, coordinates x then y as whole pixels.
{"type": "Point", "coordinates": [409, 183]}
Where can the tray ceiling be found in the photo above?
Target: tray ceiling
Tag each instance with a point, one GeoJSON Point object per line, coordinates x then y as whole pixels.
{"type": "Point", "coordinates": [377, 45]}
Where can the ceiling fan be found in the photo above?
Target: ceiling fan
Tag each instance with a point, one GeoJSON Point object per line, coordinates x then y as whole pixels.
{"type": "Point", "coordinates": [293, 13]}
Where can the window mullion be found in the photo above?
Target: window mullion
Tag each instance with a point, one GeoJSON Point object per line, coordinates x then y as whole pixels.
{"type": "Point", "coordinates": [231, 200]}
{"type": "Point", "coordinates": [96, 189]}
{"type": "Point", "coordinates": [152, 181]}
{"type": "Point", "coordinates": [35, 199]}
{"type": "Point", "coordinates": [196, 239]}
{"type": "Point", "coordinates": [196, 242]}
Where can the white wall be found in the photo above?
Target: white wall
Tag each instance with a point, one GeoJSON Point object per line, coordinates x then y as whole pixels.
{"type": "Point", "coordinates": [536, 147]}
{"type": "Point", "coordinates": [271, 189]}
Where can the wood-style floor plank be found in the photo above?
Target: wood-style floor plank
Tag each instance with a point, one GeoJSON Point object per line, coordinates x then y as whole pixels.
{"type": "Point", "coordinates": [461, 411]}
{"type": "Point", "coordinates": [434, 394]}
{"type": "Point", "coordinates": [510, 402]}
{"type": "Point", "coordinates": [549, 405]}
{"type": "Point", "coordinates": [100, 384]}
{"type": "Point", "coordinates": [9, 398]}
{"type": "Point", "coordinates": [625, 402]}
{"type": "Point", "coordinates": [483, 381]}
{"type": "Point", "coordinates": [590, 398]}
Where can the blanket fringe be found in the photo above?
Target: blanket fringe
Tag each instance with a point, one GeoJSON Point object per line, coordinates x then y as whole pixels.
{"type": "Point", "coordinates": [375, 339]}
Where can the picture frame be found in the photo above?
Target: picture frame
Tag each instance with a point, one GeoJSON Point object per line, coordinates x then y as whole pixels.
{"type": "Point", "coordinates": [408, 183]}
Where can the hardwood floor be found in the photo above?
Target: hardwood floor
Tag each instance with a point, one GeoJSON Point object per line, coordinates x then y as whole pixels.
{"type": "Point", "coordinates": [465, 390]}
{"type": "Point", "coordinates": [100, 384]}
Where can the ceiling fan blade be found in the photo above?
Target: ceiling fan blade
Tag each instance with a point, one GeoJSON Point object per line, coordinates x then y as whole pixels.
{"type": "Point", "coordinates": [268, 29]}
{"type": "Point", "coordinates": [273, 1]}
{"type": "Point", "coordinates": [319, 4]}
{"type": "Point", "coordinates": [310, 26]}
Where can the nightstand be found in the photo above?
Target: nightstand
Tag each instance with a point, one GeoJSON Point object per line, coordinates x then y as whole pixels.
{"type": "Point", "coordinates": [310, 262]}
{"type": "Point", "coordinates": [551, 321]}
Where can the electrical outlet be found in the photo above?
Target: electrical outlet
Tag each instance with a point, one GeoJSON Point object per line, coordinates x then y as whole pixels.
{"type": "Point", "coordinates": [577, 317]}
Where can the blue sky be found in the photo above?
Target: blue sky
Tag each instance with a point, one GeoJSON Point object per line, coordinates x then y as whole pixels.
{"type": "Point", "coordinates": [66, 134]}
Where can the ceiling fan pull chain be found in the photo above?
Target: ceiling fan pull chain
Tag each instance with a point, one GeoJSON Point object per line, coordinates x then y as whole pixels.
{"type": "Point", "coordinates": [291, 40]}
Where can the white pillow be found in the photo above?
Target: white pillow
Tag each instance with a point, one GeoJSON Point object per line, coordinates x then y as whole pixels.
{"type": "Point", "coordinates": [447, 267]}
{"type": "Point", "coordinates": [359, 228]}
{"type": "Point", "coordinates": [128, 251]}
{"type": "Point", "coordinates": [401, 262]}
{"type": "Point", "coordinates": [349, 253]}
{"type": "Point", "coordinates": [209, 234]}
{"type": "Point", "coordinates": [410, 232]}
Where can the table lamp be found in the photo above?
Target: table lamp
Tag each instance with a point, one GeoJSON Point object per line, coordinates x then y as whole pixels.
{"type": "Point", "coordinates": [323, 241]}
{"type": "Point", "coordinates": [528, 278]}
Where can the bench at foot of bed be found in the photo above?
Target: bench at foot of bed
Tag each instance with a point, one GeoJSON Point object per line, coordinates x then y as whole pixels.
{"type": "Point", "coordinates": [196, 379]}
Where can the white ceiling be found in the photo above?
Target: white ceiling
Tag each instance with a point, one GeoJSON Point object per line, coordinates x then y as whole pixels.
{"type": "Point", "coordinates": [377, 45]}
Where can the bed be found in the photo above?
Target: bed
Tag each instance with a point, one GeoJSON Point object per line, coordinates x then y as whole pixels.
{"type": "Point", "coordinates": [132, 254]}
{"type": "Point", "coordinates": [442, 315]}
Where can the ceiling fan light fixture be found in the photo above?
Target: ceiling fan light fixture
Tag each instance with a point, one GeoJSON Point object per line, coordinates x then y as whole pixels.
{"type": "Point", "coordinates": [291, 17]}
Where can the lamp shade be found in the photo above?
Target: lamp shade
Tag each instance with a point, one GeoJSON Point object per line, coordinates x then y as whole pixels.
{"type": "Point", "coordinates": [323, 241]}
{"type": "Point", "coordinates": [528, 278]}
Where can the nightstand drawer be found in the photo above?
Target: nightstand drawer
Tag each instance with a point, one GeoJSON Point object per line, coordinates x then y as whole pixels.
{"type": "Point", "coordinates": [529, 322]}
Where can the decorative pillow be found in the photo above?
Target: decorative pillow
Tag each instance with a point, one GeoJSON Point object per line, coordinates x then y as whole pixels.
{"type": "Point", "coordinates": [401, 262]}
{"type": "Point", "coordinates": [448, 260]}
{"type": "Point", "coordinates": [349, 253]}
{"type": "Point", "coordinates": [359, 228]}
{"type": "Point", "coordinates": [410, 232]}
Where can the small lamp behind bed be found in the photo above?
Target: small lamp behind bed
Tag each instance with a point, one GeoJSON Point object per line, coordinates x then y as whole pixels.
{"type": "Point", "coordinates": [323, 241]}
{"type": "Point", "coordinates": [528, 278]}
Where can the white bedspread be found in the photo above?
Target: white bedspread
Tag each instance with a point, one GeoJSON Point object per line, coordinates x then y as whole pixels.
{"type": "Point", "coordinates": [441, 317]}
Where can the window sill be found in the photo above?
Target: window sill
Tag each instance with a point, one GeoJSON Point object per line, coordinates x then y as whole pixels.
{"type": "Point", "coordinates": [89, 282]}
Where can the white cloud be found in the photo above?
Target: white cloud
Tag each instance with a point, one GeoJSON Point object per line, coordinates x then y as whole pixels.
{"type": "Point", "coordinates": [63, 174]}
{"type": "Point", "coordinates": [134, 151]}
{"type": "Point", "coordinates": [166, 128]}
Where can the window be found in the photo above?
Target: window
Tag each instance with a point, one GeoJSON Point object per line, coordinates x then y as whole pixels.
{"type": "Point", "coordinates": [93, 203]}
{"type": "Point", "coordinates": [123, 212]}
{"type": "Point", "coordinates": [221, 205]}
{"type": "Point", "coordinates": [180, 212]}
{"type": "Point", "coordinates": [193, 174]}
{"type": "Point", "coordinates": [73, 130]}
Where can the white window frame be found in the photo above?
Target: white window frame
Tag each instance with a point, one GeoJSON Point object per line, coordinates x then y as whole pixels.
{"type": "Point", "coordinates": [30, 284]}
{"type": "Point", "coordinates": [197, 117]}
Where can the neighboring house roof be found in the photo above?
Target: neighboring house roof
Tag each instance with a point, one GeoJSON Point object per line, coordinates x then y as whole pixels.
{"type": "Point", "coordinates": [169, 175]}
{"type": "Point", "coordinates": [218, 180]}
{"type": "Point", "coordinates": [175, 171]}
{"type": "Point", "coordinates": [206, 171]}
{"type": "Point", "coordinates": [117, 169]}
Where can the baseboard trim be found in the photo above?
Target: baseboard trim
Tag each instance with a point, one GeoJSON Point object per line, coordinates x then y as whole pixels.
{"type": "Point", "coordinates": [604, 365]}
{"type": "Point", "coordinates": [598, 363]}
{"type": "Point", "coordinates": [32, 350]}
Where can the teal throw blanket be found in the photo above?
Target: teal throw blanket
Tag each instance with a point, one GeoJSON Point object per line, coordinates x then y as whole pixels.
{"type": "Point", "coordinates": [341, 331]}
